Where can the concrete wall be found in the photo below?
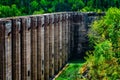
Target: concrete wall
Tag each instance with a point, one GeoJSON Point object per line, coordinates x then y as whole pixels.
{"type": "Point", "coordinates": [37, 47]}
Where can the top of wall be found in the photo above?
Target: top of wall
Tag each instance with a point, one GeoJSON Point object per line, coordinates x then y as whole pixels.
{"type": "Point", "coordinates": [57, 13]}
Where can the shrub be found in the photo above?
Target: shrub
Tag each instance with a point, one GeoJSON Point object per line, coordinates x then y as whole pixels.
{"type": "Point", "coordinates": [104, 61]}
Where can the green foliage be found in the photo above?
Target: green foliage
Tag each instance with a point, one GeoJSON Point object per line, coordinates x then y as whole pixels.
{"type": "Point", "coordinates": [104, 36]}
{"type": "Point", "coordinates": [34, 5]}
{"type": "Point", "coordinates": [26, 7]}
{"type": "Point", "coordinates": [9, 11]}
{"type": "Point", "coordinates": [41, 11]}
{"type": "Point", "coordinates": [71, 71]}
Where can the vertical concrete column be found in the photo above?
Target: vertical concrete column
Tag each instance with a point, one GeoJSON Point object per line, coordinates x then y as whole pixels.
{"type": "Point", "coordinates": [52, 30]}
{"type": "Point", "coordinates": [51, 72]}
{"type": "Point", "coordinates": [2, 52]}
{"type": "Point", "coordinates": [69, 23]}
{"type": "Point", "coordinates": [66, 36]}
{"type": "Point", "coordinates": [63, 38]}
{"type": "Point", "coordinates": [56, 44]}
{"type": "Point", "coordinates": [39, 60]}
{"type": "Point", "coordinates": [15, 50]}
{"type": "Point", "coordinates": [42, 47]}
{"type": "Point", "coordinates": [60, 40]}
{"type": "Point", "coordinates": [46, 47]}
{"type": "Point", "coordinates": [23, 50]}
{"type": "Point", "coordinates": [71, 35]}
{"type": "Point", "coordinates": [33, 48]}
{"type": "Point", "coordinates": [28, 45]}
{"type": "Point", "coordinates": [8, 49]}
{"type": "Point", "coordinates": [58, 31]}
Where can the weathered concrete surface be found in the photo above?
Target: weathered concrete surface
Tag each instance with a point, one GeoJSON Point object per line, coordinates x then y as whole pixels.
{"type": "Point", "coordinates": [37, 47]}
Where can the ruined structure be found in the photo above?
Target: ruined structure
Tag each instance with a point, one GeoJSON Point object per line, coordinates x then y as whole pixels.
{"type": "Point", "coordinates": [37, 47]}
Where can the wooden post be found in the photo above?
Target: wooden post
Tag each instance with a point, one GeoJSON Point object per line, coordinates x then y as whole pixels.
{"type": "Point", "coordinates": [15, 50]}
{"type": "Point", "coordinates": [23, 50]}
{"type": "Point", "coordinates": [2, 52]}
{"type": "Point", "coordinates": [33, 49]}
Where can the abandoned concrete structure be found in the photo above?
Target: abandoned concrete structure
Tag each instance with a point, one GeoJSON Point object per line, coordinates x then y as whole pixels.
{"type": "Point", "coordinates": [37, 47]}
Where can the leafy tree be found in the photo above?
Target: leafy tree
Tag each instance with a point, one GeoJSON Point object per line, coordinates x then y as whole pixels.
{"type": "Point", "coordinates": [104, 61]}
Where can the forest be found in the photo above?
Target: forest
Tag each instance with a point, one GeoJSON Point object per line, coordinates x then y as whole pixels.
{"type": "Point", "coordinates": [10, 8]}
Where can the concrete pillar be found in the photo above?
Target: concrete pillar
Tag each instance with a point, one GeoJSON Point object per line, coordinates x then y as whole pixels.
{"type": "Point", "coordinates": [60, 41]}
{"type": "Point", "coordinates": [56, 44]}
{"type": "Point", "coordinates": [46, 47]}
{"type": "Point", "coordinates": [33, 48]}
{"type": "Point", "coordinates": [58, 31]}
{"type": "Point", "coordinates": [42, 47]}
{"type": "Point", "coordinates": [69, 23]}
{"type": "Point", "coordinates": [63, 38]}
{"type": "Point", "coordinates": [71, 35]}
{"type": "Point", "coordinates": [8, 49]}
{"type": "Point", "coordinates": [66, 37]}
{"type": "Point", "coordinates": [2, 52]}
{"type": "Point", "coordinates": [15, 50]}
{"type": "Point", "coordinates": [51, 46]}
{"type": "Point", "coordinates": [28, 45]}
{"type": "Point", "coordinates": [23, 50]}
{"type": "Point", "coordinates": [39, 69]}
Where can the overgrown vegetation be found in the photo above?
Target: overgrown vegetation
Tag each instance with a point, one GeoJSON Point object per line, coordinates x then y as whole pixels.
{"type": "Point", "coordinates": [103, 62]}
{"type": "Point", "coordinates": [71, 72]}
{"type": "Point", "coordinates": [25, 7]}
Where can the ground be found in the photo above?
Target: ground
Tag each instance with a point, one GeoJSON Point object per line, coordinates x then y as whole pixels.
{"type": "Point", "coordinates": [71, 71]}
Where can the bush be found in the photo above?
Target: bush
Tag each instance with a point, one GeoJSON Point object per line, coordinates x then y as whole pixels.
{"type": "Point", "coordinates": [104, 35]}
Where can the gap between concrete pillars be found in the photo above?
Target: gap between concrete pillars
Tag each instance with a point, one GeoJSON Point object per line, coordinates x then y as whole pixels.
{"type": "Point", "coordinates": [39, 48]}
{"type": "Point", "coordinates": [33, 48]}
{"type": "Point", "coordinates": [56, 44]}
{"type": "Point", "coordinates": [46, 47]}
{"type": "Point", "coordinates": [15, 50]}
{"type": "Point", "coordinates": [2, 52]}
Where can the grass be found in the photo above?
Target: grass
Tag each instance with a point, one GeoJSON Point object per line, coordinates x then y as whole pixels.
{"type": "Point", "coordinates": [71, 71]}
